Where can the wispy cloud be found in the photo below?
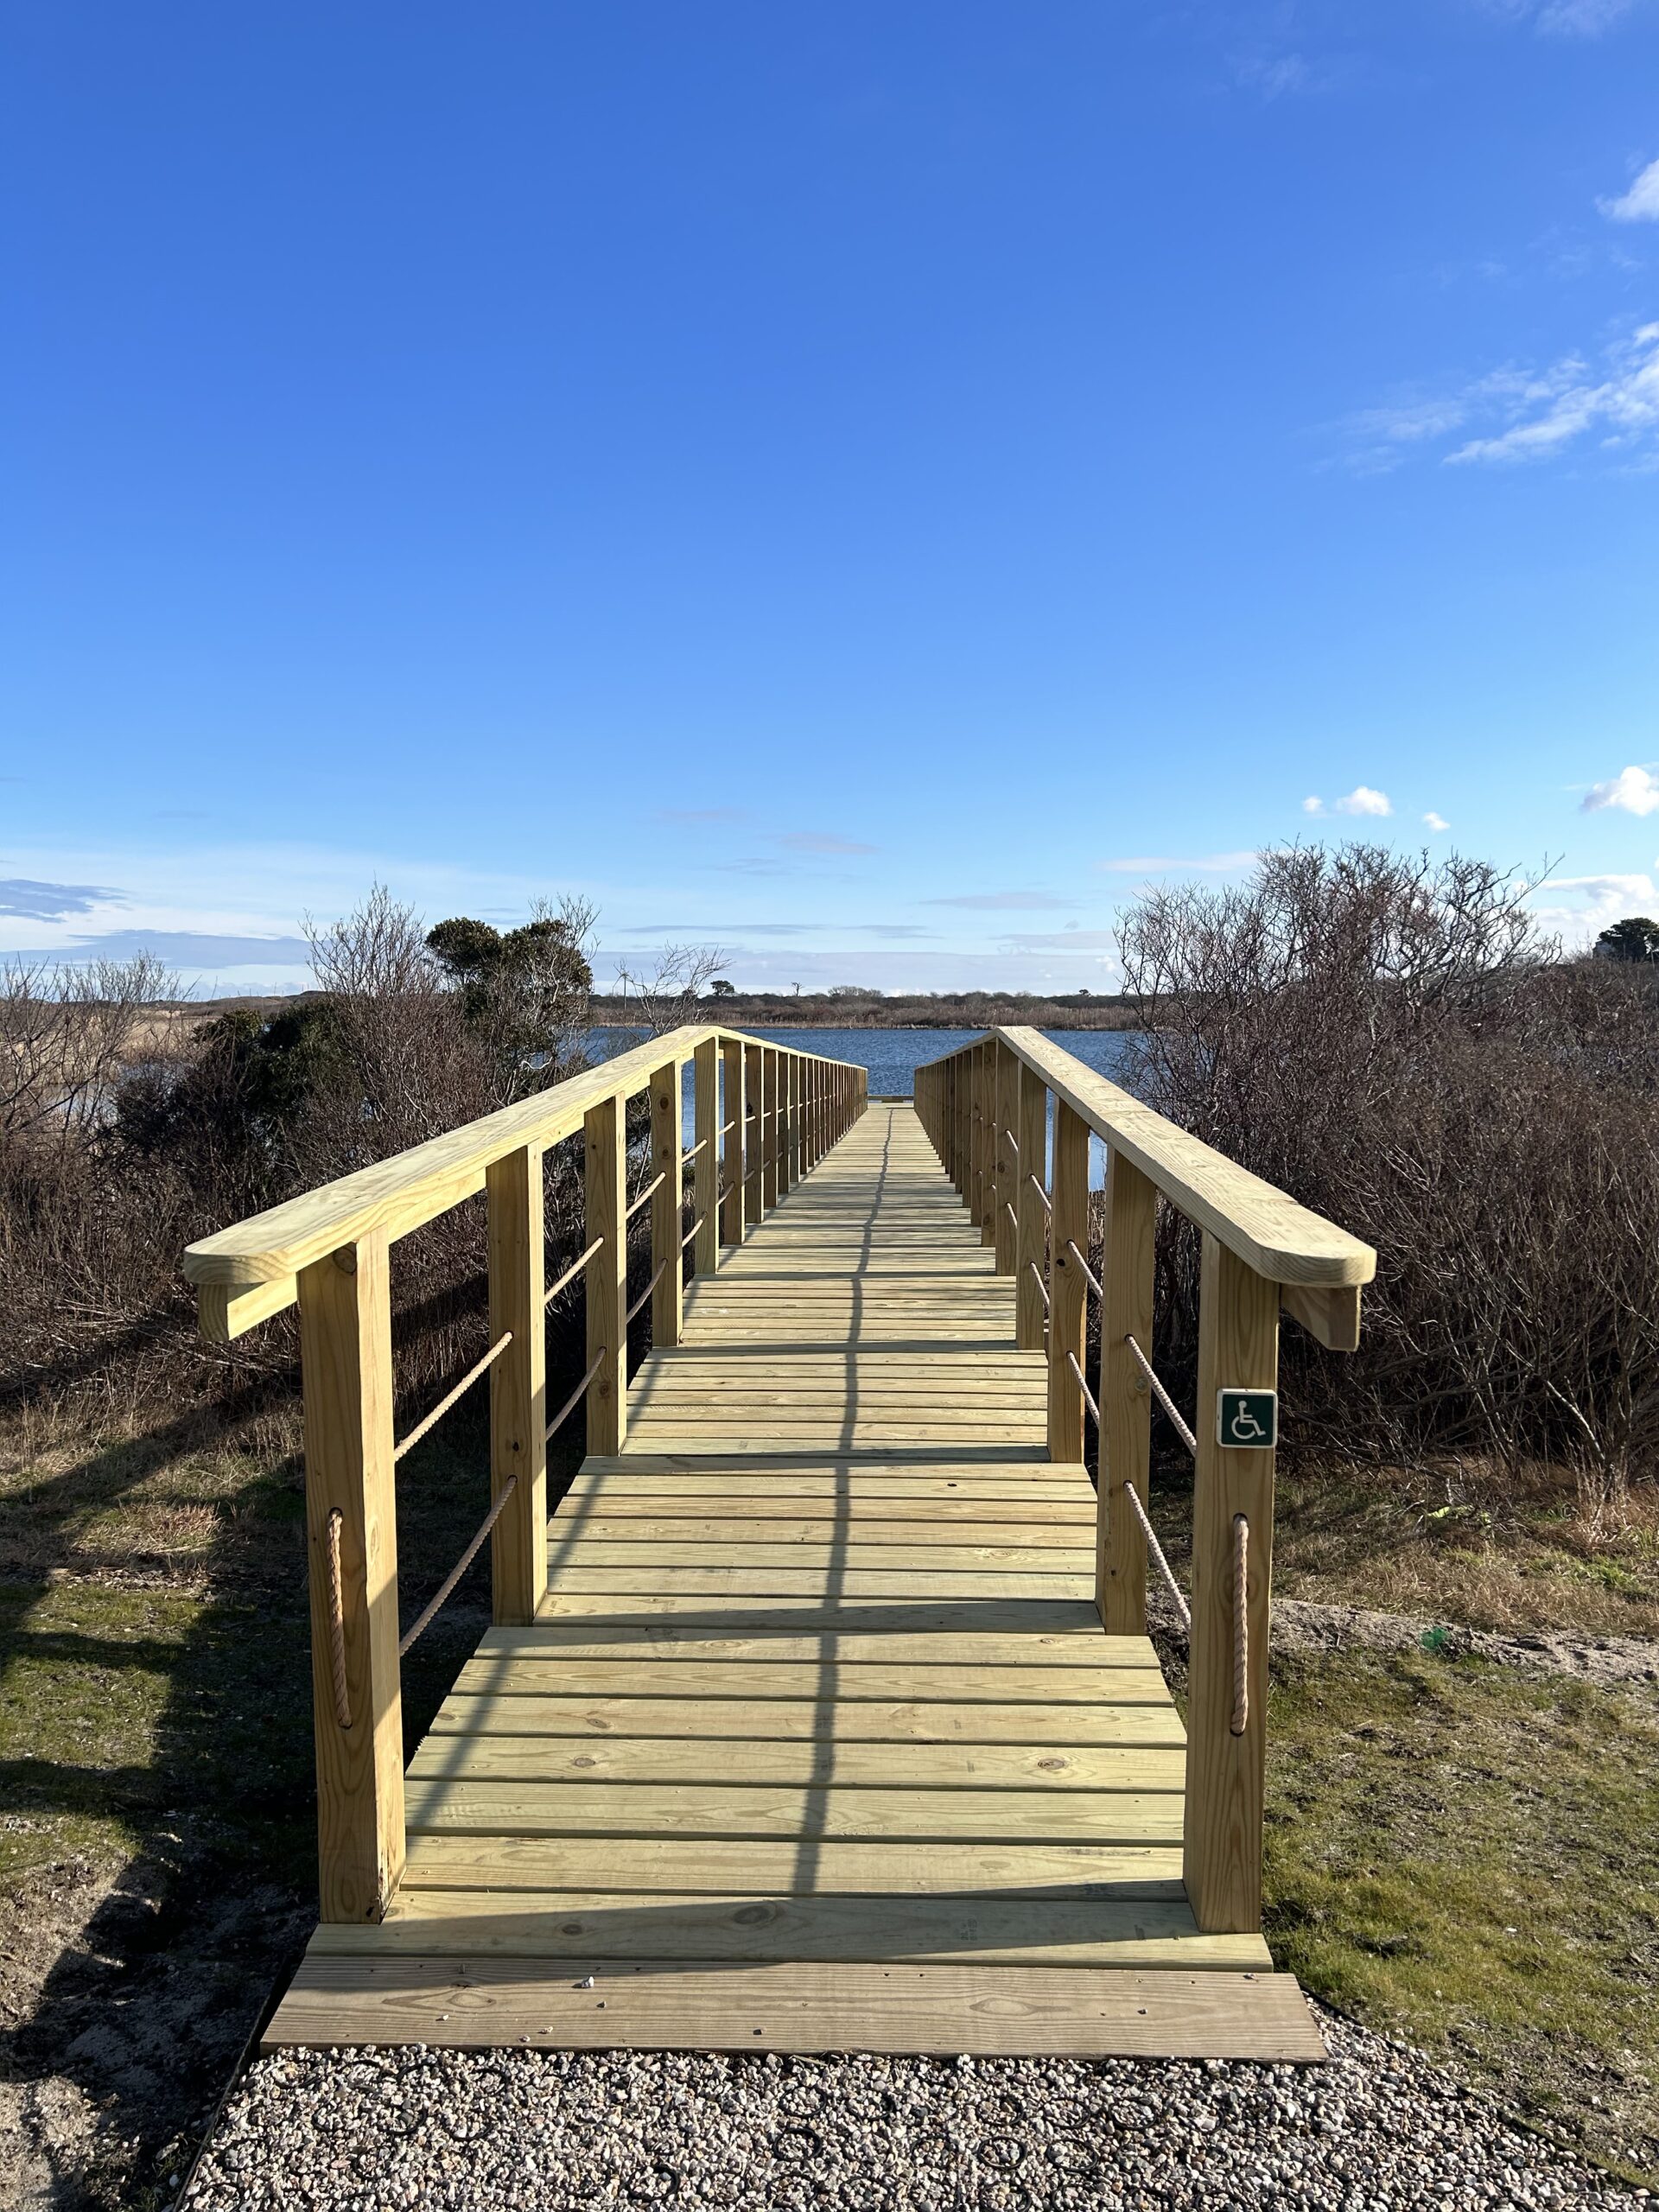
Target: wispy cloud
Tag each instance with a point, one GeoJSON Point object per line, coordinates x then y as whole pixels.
{"type": "Point", "coordinates": [819, 841]}
{"type": "Point", "coordinates": [1159, 864]}
{"type": "Point", "coordinates": [1632, 791]}
{"type": "Point", "coordinates": [1563, 18]}
{"type": "Point", "coordinates": [1361, 800]}
{"type": "Point", "coordinates": [1610, 407]}
{"type": "Point", "coordinates": [49, 902]}
{"type": "Point", "coordinates": [1003, 902]}
{"type": "Point", "coordinates": [1435, 821]}
{"type": "Point", "coordinates": [183, 948]}
{"type": "Point", "coordinates": [1600, 899]}
{"type": "Point", "coordinates": [1640, 204]}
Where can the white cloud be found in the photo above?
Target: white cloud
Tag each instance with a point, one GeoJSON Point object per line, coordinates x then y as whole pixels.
{"type": "Point", "coordinates": [1435, 821]}
{"type": "Point", "coordinates": [1640, 204]}
{"type": "Point", "coordinates": [1601, 900]}
{"type": "Point", "coordinates": [1632, 791]}
{"type": "Point", "coordinates": [1156, 864]}
{"type": "Point", "coordinates": [1361, 800]}
{"type": "Point", "coordinates": [1527, 414]}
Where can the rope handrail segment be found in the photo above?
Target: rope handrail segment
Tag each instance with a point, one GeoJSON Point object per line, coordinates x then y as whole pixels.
{"type": "Point", "coordinates": [1157, 1551]}
{"type": "Point", "coordinates": [694, 1150]}
{"type": "Point", "coordinates": [574, 1398]}
{"type": "Point", "coordinates": [1040, 1191]}
{"type": "Point", "coordinates": [572, 1271]}
{"type": "Point", "coordinates": [1088, 1394]}
{"type": "Point", "coordinates": [692, 1231]}
{"type": "Point", "coordinates": [1041, 1284]}
{"type": "Point", "coordinates": [1163, 1398]}
{"type": "Point", "coordinates": [1089, 1274]}
{"type": "Point", "coordinates": [337, 1622]}
{"type": "Point", "coordinates": [1241, 1624]}
{"type": "Point", "coordinates": [649, 1288]}
{"type": "Point", "coordinates": [450, 1397]}
{"type": "Point", "coordinates": [419, 1626]}
{"type": "Point", "coordinates": [1009, 1209]}
{"type": "Point", "coordinates": [655, 1184]}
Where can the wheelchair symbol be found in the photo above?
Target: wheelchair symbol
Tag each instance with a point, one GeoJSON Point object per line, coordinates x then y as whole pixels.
{"type": "Point", "coordinates": [1247, 1421]}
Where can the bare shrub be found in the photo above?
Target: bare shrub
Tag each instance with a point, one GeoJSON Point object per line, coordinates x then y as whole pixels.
{"type": "Point", "coordinates": [1391, 1042]}
{"type": "Point", "coordinates": [665, 995]}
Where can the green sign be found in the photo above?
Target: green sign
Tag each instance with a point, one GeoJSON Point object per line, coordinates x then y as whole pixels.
{"type": "Point", "coordinates": [1247, 1421]}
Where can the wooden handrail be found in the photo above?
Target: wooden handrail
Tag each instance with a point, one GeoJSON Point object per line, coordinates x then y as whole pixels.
{"type": "Point", "coordinates": [246, 1272]}
{"type": "Point", "coordinates": [1269, 1230]}
{"type": "Point", "coordinates": [1261, 1253]}
{"type": "Point", "coordinates": [329, 1251]}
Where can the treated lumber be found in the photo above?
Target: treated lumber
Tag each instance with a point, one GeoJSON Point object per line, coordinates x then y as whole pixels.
{"type": "Point", "coordinates": [980, 2010]}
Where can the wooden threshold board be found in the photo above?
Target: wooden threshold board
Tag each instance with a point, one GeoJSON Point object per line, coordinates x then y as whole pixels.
{"type": "Point", "coordinates": [985, 2012]}
{"type": "Point", "coordinates": [817, 1742]}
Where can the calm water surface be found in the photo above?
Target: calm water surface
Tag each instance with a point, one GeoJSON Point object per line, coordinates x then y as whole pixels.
{"type": "Point", "coordinates": [893, 1057]}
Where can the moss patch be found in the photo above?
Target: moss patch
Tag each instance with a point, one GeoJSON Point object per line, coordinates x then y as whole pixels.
{"type": "Point", "coordinates": [1472, 1861]}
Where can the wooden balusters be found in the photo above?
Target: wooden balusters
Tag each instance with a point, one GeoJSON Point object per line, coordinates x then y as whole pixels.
{"type": "Point", "coordinates": [1125, 1399]}
{"type": "Point", "coordinates": [789, 1172]}
{"type": "Point", "coordinates": [770, 1180]}
{"type": "Point", "coordinates": [346, 1354]}
{"type": "Point", "coordinates": [755, 1137]}
{"type": "Point", "coordinates": [606, 1162]}
{"type": "Point", "coordinates": [1067, 1290]}
{"type": "Point", "coordinates": [1238, 1349]}
{"type": "Point", "coordinates": [735, 1121]}
{"type": "Point", "coordinates": [667, 1203]}
{"type": "Point", "coordinates": [705, 1168]}
{"type": "Point", "coordinates": [518, 1386]}
{"type": "Point", "coordinates": [1031, 1314]}
{"type": "Point", "coordinates": [1006, 1090]}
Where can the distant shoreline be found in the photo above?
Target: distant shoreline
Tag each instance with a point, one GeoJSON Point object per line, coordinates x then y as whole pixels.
{"type": "Point", "coordinates": [752, 1010]}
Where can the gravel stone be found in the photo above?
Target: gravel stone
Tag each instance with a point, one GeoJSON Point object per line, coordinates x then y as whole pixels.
{"type": "Point", "coordinates": [1380, 2129]}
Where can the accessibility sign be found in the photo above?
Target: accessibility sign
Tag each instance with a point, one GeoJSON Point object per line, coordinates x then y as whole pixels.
{"type": "Point", "coordinates": [1247, 1420]}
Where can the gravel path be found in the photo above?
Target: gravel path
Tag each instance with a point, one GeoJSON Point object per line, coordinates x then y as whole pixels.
{"type": "Point", "coordinates": [1377, 2129]}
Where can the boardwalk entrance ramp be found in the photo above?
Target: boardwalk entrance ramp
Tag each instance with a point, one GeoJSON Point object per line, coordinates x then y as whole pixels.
{"type": "Point", "coordinates": [815, 1741]}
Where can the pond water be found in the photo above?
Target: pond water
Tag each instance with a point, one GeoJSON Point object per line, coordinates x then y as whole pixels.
{"type": "Point", "coordinates": [893, 1057]}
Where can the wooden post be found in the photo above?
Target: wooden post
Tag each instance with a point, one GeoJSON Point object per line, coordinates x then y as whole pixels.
{"type": "Point", "coordinates": [961, 1127]}
{"type": "Point", "coordinates": [1066, 1288]}
{"type": "Point", "coordinates": [1125, 1400]}
{"type": "Point", "coordinates": [769, 1180]}
{"type": "Point", "coordinates": [1008, 1068]}
{"type": "Point", "coordinates": [1238, 1349]}
{"type": "Point", "coordinates": [518, 1387]}
{"type": "Point", "coordinates": [346, 1361]}
{"type": "Point", "coordinates": [1030, 1314]}
{"type": "Point", "coordinates": [731, 1142]}
{"type": "Point", "coordinates": [985, 1095]}
{"type": "Point", "coordinates": [667, 1203]}
{"type": "Point", "coordinates": [789, 1076]}
{"type": "Point", "coordinates": [705, 1168]}
{"type": "Point", "coordinates": [754, 1140]}
{"type": "Point", "coordinates": [605, 1158]}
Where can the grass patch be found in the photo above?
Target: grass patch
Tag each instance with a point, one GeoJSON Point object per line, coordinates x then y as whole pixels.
{"type": "Point", "coordinates": [1471, 1859]}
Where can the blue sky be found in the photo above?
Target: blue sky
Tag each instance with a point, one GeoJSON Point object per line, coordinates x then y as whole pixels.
{"type": "Point", "coordinates": [865, 486]}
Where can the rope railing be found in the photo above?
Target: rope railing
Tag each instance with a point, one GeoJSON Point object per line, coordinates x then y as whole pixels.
{"type": "Point", "coordinates": [1009, 1209]}
{"type": "Point", "coordinates": [424, 1620]}
{"type": "Point", "coordinates": [661, 1267]}
{"type": "Point", "coordinates": [1241, 1624]}
{"type": "Point", "coordinates": [1089, 1274]}
{"type": "Point", "coordinates": [1157, 1551]}
{"type": "Point", "coordinates": [337, 1623]}
{"type": "Point", "coordinates": [572, 1271]}
{"type": "Point", "coordinates": [692, 1231]}
{"type": "Point", "coordinates": [449, 1397]}
{"type": "Point", "coordinates": [1040, 1191]}
{"type": "Point", "coordinates": [1041, 1284]}
{"type": "Point", "coordinates": [1163, 1398]}
{"type": "Point", "coordinates": [694, 1150]}
{"type": "Point", "coordinates": [655, 1184]}
{"type": "Point", "coordinates": [1088, 1394]}
{"type": "Point", "coordinates": [574, 1398]}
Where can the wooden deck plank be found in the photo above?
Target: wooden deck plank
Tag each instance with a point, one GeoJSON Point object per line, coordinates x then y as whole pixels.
{"type": "Point", "coordinates": [983, 2010]}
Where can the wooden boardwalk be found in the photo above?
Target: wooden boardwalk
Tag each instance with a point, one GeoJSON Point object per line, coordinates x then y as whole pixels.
{"type": "Point", "coordinates": [816, 1741]}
